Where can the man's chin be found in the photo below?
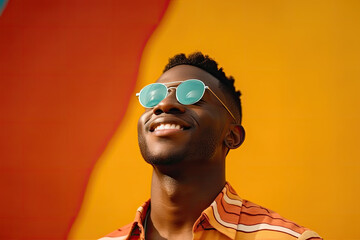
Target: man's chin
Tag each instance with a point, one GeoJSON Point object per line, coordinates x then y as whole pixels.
{"type": "Point", "coordinates": [163, 161]}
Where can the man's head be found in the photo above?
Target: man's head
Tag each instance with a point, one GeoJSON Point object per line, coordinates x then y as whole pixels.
{"type": "Point", "coordinates": [207, 64]}
{"type": "Point", "coordinates": [171, 132]}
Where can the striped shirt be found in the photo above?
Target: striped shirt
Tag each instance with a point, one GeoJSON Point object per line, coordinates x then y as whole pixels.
{"type": "Point", "coordinates": [228, 217]}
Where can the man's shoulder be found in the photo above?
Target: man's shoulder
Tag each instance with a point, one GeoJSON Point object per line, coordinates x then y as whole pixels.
{"type": "Point", "coordinates": [254, 210]}
{"type": "Point", "coordinates": [263, 218]}
{"type": "Point", "coordinates": [119, 234]}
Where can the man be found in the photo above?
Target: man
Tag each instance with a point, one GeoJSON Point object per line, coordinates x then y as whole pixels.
{"type": "Point", "coordinates": [192, 119]}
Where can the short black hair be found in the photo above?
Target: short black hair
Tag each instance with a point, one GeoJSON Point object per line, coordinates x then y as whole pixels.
{"type": "Point", "coordinates": [197, 59]}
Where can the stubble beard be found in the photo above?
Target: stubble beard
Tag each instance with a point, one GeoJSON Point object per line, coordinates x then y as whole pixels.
{"type": "Point", "coordinates": [201, 150]}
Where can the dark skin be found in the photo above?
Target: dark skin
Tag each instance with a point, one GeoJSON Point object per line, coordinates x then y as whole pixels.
{"type": "Point", "coordinates": [188, 163]}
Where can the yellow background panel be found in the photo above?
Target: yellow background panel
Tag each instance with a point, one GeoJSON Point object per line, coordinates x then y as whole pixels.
{"type": "Point", "coordinates": [297, 65]}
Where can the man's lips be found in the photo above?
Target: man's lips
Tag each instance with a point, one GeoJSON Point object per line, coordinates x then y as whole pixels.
{"type": "Point", "coordinates": [163, 124]}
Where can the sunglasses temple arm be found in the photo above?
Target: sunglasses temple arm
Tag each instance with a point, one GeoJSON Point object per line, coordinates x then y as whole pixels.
{"type": "Point", "coordinates": [222, 103]}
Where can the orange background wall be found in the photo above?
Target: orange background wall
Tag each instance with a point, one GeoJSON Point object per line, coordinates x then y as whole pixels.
{"type": "Point", "coordinates": [67, 71]}
{"type": "Point", "coordinates": [296, 63]}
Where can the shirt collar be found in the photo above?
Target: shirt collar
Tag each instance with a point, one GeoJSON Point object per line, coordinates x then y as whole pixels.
{"type": "Point", "coordinates": [137, 227]}
{"type": "Point", "coordinates": [223, 214]}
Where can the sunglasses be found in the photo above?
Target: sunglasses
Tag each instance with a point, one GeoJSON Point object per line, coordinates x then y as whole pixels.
{"type": "Point", "coordinates": [187, 92]}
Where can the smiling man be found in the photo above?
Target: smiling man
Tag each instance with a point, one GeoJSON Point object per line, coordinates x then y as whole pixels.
{"type": "Point", "coordinates": [192, 120]}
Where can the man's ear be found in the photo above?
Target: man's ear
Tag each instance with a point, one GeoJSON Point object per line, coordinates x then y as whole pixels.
{"type": "Point", "coordinates": [235, 136]}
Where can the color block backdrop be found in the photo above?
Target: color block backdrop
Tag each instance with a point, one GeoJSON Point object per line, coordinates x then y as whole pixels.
{"type": "Point", "coordinates": [69, 70]}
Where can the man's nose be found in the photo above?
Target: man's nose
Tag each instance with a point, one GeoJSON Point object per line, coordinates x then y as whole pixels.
{"type": "Point", "coordinates": [169, 105]}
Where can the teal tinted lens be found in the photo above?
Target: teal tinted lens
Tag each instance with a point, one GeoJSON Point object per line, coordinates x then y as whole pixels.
{"type": "Point", "coordinates": [151, 95]}
{"type": "Point", "coordinates": [190, 91]}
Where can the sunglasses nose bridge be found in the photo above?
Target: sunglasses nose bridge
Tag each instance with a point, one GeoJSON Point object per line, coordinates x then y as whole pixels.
{"type": "Point", "coordinates": [170, 92]}
{"type": "Point", "coordinates": [171, 89]}
{"type": "Point", "coordinates": [169, 104]}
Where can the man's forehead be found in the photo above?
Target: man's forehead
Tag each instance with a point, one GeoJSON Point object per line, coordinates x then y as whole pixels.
{"type": "Point", "coordinates": [185, 72]}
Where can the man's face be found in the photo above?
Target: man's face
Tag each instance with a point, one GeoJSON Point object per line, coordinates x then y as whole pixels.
{"type": "Point", "coordinates": [171, 133]}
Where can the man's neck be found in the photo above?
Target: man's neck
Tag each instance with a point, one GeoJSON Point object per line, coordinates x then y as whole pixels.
{"type": "Point", "coordinates": [178, 199]}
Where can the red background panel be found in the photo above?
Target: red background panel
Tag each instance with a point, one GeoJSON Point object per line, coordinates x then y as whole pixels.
{"type": "Point", "coordinates": [67, 71]}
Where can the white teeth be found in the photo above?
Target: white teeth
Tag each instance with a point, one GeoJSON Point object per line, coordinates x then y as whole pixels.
{"type": "Point", "coordinates": [168, 126]}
